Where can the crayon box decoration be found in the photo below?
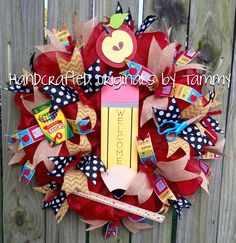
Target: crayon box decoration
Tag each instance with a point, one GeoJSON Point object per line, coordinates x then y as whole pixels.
{"type": "Point", "coordinates": [54, 125]}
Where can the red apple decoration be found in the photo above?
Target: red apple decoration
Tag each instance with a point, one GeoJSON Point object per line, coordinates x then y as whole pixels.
{"type": "Point", "coordinates": [25, 138]}
{"type": "Point", "coordinates": [115, 45]}
{"type": "Point", "coordinates": [193, 98]}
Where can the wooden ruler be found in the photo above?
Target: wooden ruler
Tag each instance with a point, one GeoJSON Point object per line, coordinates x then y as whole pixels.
{"type": "Point", "coordinates": [121, 205]}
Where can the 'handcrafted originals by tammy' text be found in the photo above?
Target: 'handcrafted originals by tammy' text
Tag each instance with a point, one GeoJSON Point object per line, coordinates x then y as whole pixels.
{"type": "Point", "coordinates": [191, 79]}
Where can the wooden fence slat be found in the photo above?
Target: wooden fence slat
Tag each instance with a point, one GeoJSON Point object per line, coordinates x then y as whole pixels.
{"type": "Point", "coordinates": [174, 13]}
{"type": "Point", "coordinates": [3, 75]}
{"type": "Point", "coordinates": [227, 213]}
{"type": "Point", "coordinates": [160, 233]}
{"type": "Point", "coordinates": [60, 11]}
{"type": "Point", "coordinates": [21, 29]}
{"type": "Point", "coordinates": [71, 229]}
{"type": "Point", "coordinates": [211, 31]}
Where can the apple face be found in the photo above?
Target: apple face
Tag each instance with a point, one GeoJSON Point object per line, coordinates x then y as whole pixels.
{"type": "Point", "coordinates": [115, 47]}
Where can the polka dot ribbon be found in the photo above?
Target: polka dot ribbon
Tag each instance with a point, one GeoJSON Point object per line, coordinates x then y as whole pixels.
{"type": "Point", "coordinates": [91, 165]}
{"type": "Point", "coordinates": [61, 95]}
{"type": "Point", "coordinates": [60, 163]}
{"type": "Point", "coordinates": [119, 9]}
{"type": "Point", "coordinates": [18, 86]}
{"type": "Point", "coordinates": [93, 78]}
{"type": "Point", "coordinates": [53, 185]}
{"type": "Point", "coordinates": [212, 124]}
{"type": "Point", "coordinates": [145, 24]}
{"type": "Point", "coordinates": [191, 133]}
{"type": "Point", "coordinates": [56, 202]}
{"type": "Point", "coordinates": [179, 205]}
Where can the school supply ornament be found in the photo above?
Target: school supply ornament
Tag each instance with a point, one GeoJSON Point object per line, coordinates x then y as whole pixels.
{"type": "Point", "coordinates": [101, 149]}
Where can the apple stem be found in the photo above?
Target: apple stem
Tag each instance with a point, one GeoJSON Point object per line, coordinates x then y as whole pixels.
{"type": "Point", "coordinates": [106, 29]}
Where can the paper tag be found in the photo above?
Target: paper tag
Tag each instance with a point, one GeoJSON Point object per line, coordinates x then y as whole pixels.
{"type": "Point", "coordinates": [186, 93]}
{"type": "Point", "coordinates": [161, 189]}
{"type": "Point", "coordinates": [53, 125]}
{"type": "Point", "coordinates": [209, 155]}
{"type": "Point", "coordinates": [27, 172]}
{"type": "Point", "coordinates": [82, 127]}
{"type": "Point", "coordinates": [205, 168]}
{"type": "Point", "coordinates": [145, 150]}
{"type": "Point", "coordinates": [29, 136]}
{"type": "Point", "coordinates": [186, 57]}
{"type": "Point", "coordinates": [119, 126]}
{"type": "Point", "coordinates": [62, 35]}
{"type": "Point", "coordinates": [112, 229]}
{"type": "Point", "coordinates": [180, 91]}
{"type": "Point", "coordinates": [141, 74]}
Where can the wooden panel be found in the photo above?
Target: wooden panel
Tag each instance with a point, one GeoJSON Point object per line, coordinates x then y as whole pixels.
{"type": "Point", "coordinates": [60, 11]}
{"type": "Point", "coordinates": [174, 13]}
{"type": "Point", "coordinates": [227, 213]}
{"type": "Point", "coordinates": [211, 31]}
{"type": "Point", "coordinates": [160, 233]}
{"type": "Point", "coordinates": [3, 75]}
{"type": "Point", "coordinates": [71, 229]}
{"type": "Point", "coordinates": [21, 28]}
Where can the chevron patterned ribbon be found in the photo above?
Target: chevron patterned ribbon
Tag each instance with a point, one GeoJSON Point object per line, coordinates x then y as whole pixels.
{"type": "Point", "coordinates": [195, 109]}
{"type": "Point", "coordinates": [62, 211]}
{"type": "Point", "coordinates": [83, 112]}
{"type": "Point", "coordinates": [75, 180]}
{"type": "Point", "coordinates": [86, 111]}
{"type": "Point", "coordinates": [75, 65]}
{"type": "Point", "coordinates": [177, 144]}
{"type": "Point", "coordinates": [84, 147]}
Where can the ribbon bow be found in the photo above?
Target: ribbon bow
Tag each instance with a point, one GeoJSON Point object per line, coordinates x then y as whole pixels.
{"type": "Point", "coordinates": [56, 202]}
{"type": "Point", "coordinates": [61, 95]}
{"type": "Point", "coordinates": [60, 163]}
{"type": "Point", "coordinates": [180, 204]}
{"type": "Point", "coordinates": [94, 80]}
{"type": "Point", "coordinates": [191, 133]}
{"type": "Point", "coordinates": [18, 85]}
{"type": "Point", "coordinates": [156, 181]}
{"type": "Point", "coordinates": [91, 165]}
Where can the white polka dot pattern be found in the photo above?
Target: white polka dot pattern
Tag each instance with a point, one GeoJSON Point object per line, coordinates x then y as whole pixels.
{"type": "Point", "coordinates": [145, 24]}
{"type": "Point", "coordinates": [212, 124]}
{"type": "Point", "coordinates": [179, 205]}
{"type": "Point", "coordinates": [191, 134]}
{"type": "Point", "coordinates": [171, 114]}
{"type": "Point", "coordinates": [128, 19]}
{"type": "Point", "coordinates": [60, 163]}
{"type": "Point", "coordinates": [18, 86]}
{"type": "Point", "coordinates": [56, 202]}
{"type": "Point", "coordinates": [91, 165]}
{"type": "Point", "coordinates": [61, 95]}
{"type": "Point", "coordinates": [119, 8]}
{"type": "Point", "coordinates": [94, 79]}
{"type": "Point", "coordinates": [53, 185]}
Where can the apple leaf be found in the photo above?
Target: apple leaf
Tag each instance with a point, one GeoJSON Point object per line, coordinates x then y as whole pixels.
{"type": "Point", "coordinates": [117, 20]}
